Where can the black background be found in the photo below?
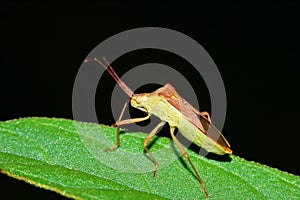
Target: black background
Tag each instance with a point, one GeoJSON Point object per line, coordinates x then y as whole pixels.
{"type": "Point", "coordinates": [256, 48]}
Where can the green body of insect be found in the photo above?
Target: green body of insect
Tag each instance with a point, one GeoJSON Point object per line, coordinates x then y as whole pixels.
{"type": "Point", "coordinates": [166, 104]}
{"type": "Point", "coordinates": [171, 108]}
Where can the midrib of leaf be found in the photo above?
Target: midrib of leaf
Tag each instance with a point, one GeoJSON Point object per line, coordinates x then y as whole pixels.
{"type": "Point", "coordinates": [101, 179]}
{"type": "Point", "coordinates": [231, 173]}
{"type": "Point", "coordinates": [257, 167]}
{"type": "Point", "coordinates": [58, 184]}
{"type": "Point", "coordinates": [271, 170]}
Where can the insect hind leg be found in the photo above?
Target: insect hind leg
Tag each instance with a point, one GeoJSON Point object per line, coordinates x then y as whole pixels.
{"type": "Point", "coordinates": [205, 115]}
{"type": "Point", "coordinates": [180, 147]}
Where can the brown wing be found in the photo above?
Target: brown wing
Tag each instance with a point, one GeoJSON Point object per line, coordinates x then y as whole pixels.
{"type": "Point", "coordinates": [191, 113]}
{"type": "Point", "coordinates": [173, 98]}
{"type": "Point", "coordinates": [213, 133]}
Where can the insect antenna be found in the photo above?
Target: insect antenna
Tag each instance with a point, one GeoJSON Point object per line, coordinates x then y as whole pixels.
{"type": "Point", "coordinates": [112, 72]}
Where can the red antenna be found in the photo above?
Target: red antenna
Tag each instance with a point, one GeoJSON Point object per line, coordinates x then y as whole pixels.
{"type": "Point", "coordinates": [112, 72]}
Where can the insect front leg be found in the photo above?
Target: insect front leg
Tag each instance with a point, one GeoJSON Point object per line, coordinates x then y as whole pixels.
{"type": "Point", "coordinates": [180, 147]}
{"type": "Point", "coordinates": [147, 140]}
{"type": "Point", "coordinates": [123, 122]}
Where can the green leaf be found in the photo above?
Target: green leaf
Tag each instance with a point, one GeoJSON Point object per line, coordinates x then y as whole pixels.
{"type": "Point", "coordinates": [68, 157]}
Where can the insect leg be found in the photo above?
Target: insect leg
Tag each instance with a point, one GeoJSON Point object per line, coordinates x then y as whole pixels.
{"type": "Point", "coordinates": [188, 158]}
{"type": "Point", "coordinates": [205, 115]}
{"type": "Point", "coordinates": [147, 140]}
{"type": "Point", "coordinates": [118, 129]}
{"type": "Point", "coordinates": [123, 122]}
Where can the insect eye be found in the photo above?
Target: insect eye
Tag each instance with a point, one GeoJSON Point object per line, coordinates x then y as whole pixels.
{"type": "Point", "coordinates": [141, 99]}
{"type": "Point", "coordinates": [138, 100]}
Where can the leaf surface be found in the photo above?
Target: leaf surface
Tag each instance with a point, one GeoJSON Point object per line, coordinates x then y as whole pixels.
{"type": "Point", "coordinates": [68, 157]}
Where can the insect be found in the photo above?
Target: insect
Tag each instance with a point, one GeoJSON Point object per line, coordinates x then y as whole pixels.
{"type": "Point", "coordinates": [171, 108]}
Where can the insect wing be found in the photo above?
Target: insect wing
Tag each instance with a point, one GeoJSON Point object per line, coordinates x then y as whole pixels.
{"type": "Point", "coordinates": [174, 99]}
{"type": "Point", "coordinates": [213, 133]}
{"type": "Point", "coordinates": [193, 115]}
